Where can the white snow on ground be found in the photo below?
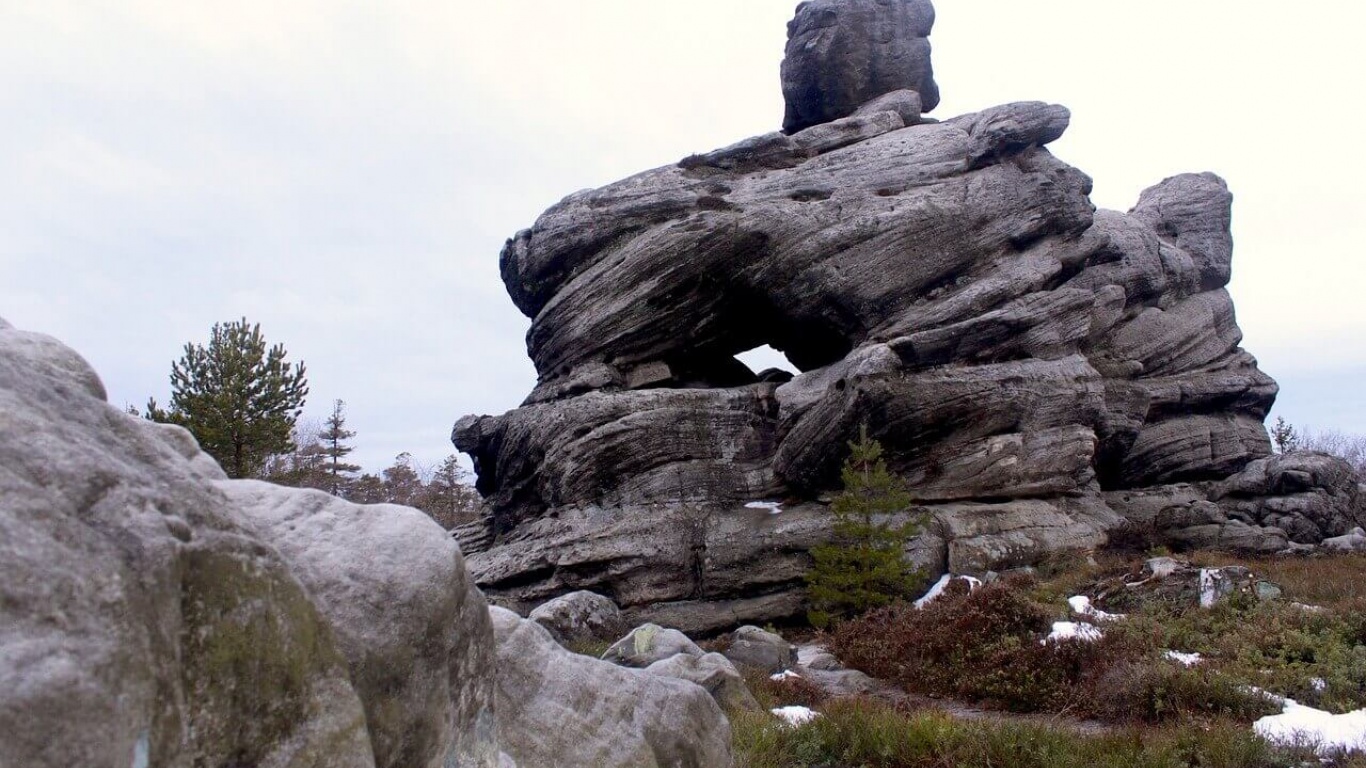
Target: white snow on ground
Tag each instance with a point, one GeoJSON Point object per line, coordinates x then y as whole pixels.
{"type": "Point", "coordinates": [1325, 731]}
{"type": "Point", "coordinates": [1082, 605]}
{"type": "Point", "coordinates": [773, 507]}
{"type": "Point", "coordinates": [1068, 630]}
{"type": "Point", "coordinates": [1207, 594]}
{"type": "Point", "coordinates": [786, 674]}
{"type": "Point", "coordinates": [942, 584]}
{"type": "Point", "coordinates": [935, 591]}
{"type": "Point", "coordinates": [1184, 659]}
{"type": "Point", "coordinates": [795, 715]}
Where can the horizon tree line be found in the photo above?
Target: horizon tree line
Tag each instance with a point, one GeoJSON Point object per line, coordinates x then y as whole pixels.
{"type": "Point", "coordinates": [242, 400]}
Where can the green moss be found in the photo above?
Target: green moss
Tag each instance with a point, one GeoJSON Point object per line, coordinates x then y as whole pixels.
{"type": "Point", "coordinates": [254, 647]}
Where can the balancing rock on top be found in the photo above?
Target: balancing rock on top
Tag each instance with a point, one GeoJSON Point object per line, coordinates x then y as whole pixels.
{"type": "Point", "coordinates": [841, 54]}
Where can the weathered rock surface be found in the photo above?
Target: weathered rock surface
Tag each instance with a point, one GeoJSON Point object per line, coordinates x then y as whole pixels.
{"type": "Point", "coordinates": [1299, 498]}
{"type": "Point", "coordinates": [1024, 358]}
{"type": "Point", "coordinates": [153, 613]}
{"type": "Point", "coordinates": [1350, 542]}
{"type": "Point", "coordinates": [559, 708]}
{"type": "Point", "coordinates": [754, 647]}
{"type": "Point", "coordinates": [1310, 496]}
{"type": "Point", "coordinates": [579, 617]}
{"type": "Point", "coordinates": [713, 672]}
{"type": "Point", "coordinates": [406, 616]}
{"type": "Point", "coordinates": [842, 54]}
{"type": "Point", "coordinates": [648, 644]}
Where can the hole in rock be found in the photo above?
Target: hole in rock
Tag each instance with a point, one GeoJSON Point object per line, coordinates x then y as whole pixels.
{"type": "Point", "coordinates": [766, 359]}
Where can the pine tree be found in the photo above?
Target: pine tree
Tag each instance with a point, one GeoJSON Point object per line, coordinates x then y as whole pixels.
{"type": "Point", "coordinates": [238, 398]}
{"type": "Point", "coordinates": [1284, 435]}
{"type": "Point", "coordinates": [367, 489]}
{"type": "Point", "coordinates": [448, 498]}
{"type": "Point", "coordinates": [402, 483]}
{"type": "Point", "coordinates": [333, 439]}
{"type": "Point", "coordinates": [864, 566]}
{"type": "Point", "coordinates": [305, 466]}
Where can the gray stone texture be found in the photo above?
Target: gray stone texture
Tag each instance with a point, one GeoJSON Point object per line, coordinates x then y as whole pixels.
{"type": "Point", "coordinates": [557, 708]}
{"type": "Point", "coordinates": [649, 643]}
{"type": "Point", "coordinates": [154, 613]}
{"type": "Point", "coordinates": [1025, 359]}
{"type": "Point", "coordinates": [405, 614]}
{"type": "Point", "coordinates": [754, 647]}
{"type": "Point", "coordinates": [1272, 505]}
{"type": "Point", "coordinates": [580, 617]}
{"type": "Point", "coordinates": [841, 54]}
{"type": "Point", "coordinates": [713, 672]}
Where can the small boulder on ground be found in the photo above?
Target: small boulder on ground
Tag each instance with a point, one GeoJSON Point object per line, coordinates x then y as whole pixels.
{"type": "Point", "coordinates": [580, 617]}
{"type": "Point", "coordinates": [1175, 581]}
{"type": "Point", "coordinates": [1351, 542]}
{"type": "Point", "coordinates": [558, 708]}
{"type": "Point", "coordinates": [649, 643]}
{"type": "Point", "coordinates": [713, 672]}
{"type": "Point", "coordinates": [1219, 584]}
{"type": "Point", "coordinates": [760, 649]}
{"type": "Point", "coordinates": [818, 666]}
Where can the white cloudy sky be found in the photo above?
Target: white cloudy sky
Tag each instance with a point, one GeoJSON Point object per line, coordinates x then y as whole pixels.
{"type": "Point", "coordinates": [345, 173]}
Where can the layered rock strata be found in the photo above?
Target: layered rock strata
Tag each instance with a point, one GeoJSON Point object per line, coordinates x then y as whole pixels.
{"type": "Point", "coordinates": [1021, 355]}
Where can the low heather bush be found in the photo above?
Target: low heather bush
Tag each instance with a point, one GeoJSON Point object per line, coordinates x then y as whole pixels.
{"type": "Point", "coordinates": [983, 646]}
{"type": "Point", "coordinates": [870, 734]}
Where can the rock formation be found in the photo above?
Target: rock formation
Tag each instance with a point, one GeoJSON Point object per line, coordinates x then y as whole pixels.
{"type": "Point", "coordinates": [153, 613]}
{"type": "Point", "coordinates": [580, 617]}
{"type": "Point", "coordinates": [842, 54]}
{"type": "Point", "coordinates": [1030, 363]}
{"type": "Point", "coordinates": [557, 708]}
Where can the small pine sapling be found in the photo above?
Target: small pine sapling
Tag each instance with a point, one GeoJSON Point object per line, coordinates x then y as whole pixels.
{"type": "Point", "coordinates": [864, 567]}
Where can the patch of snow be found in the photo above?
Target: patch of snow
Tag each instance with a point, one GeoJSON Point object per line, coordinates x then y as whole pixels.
{"type": "Point", "coordinates": [1319, 684]}
{"type": "Point", "coordinates": [786, 674]}
{"type": "Point", "coordinates": [1071, 630]}
{"type": "Point", "coordinates": [795, 715]}
{"type": "Point", "coordinates": [1308, 608]}
{"type": "Point", "coordinates": [1184, 659]}
{"type": "Point", "coordinates": [935, 591]}
{"type": "Point", "coordinates": [773, 507]}
{"type": "Point", "coordinates": [1082, 605]}
{"type": "Point", "coordinates": [1207, 593]}
{"type": "Point", "coordinates": [942, 584]}
{"type": "Point", "coordinates": [1325, 731]}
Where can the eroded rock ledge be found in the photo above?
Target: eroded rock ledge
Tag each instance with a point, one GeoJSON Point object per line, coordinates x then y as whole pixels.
{"type": "Point", "coordinates": [1022, 356]}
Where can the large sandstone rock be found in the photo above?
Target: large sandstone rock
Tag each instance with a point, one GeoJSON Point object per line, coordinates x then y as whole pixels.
{"type": "Point", "coordinates": [1023, 357]}
{"type": "Point", "coordinates": [1299, 498]}
{"type": "Point", "coordinates": [153, 613]}
{"type": "Point", "coordinates": [580, 617]}
{"type": "Point", "coordinates": [842, 54]}
{"type": "Point", "coordinates": [557, 708]}
{"type": "Point", "coordinates": [414, 630]}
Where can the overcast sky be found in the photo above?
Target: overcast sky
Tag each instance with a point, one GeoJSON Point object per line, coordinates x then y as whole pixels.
{"type": "Point", "coordinates": [345, 173]}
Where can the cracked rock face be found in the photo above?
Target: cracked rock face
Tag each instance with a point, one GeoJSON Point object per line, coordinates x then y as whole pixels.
{"type": "Point", "coordinates": [1021, 356]}
{"type": "Point", "coordinates": [842, 54]}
